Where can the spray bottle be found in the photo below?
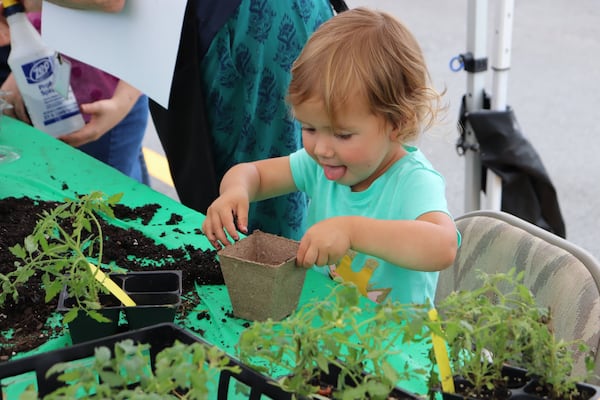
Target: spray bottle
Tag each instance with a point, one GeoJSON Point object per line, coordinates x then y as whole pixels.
{"type": "Point", "coordinates": [34, 67]}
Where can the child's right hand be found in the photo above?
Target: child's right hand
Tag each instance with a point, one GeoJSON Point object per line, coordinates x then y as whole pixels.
{"type": "Point", "coordinates": [325, 243]}
{"type": "Point", "coordinates": [227, 214]}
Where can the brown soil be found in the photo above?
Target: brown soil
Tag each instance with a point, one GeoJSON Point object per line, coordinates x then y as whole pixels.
{"type": "Point", "coordinates": [28, 316]}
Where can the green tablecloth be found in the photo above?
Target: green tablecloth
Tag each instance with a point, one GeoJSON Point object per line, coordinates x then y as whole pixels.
{"type": "Point", "coordinates": [50, 170]}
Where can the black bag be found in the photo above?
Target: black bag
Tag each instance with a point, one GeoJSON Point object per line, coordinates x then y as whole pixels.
{"type": "Point", "coordinates": [527, 190]}
{"type": "Point", "coordinates": [339, 5]}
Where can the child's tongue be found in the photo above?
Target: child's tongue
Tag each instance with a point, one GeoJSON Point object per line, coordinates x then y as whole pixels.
{"type": "Point", "coordinates": [334, 173]}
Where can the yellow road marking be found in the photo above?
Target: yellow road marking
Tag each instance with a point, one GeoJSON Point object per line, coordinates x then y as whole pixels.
{"type": "Point", "coordinates": [158, 167]}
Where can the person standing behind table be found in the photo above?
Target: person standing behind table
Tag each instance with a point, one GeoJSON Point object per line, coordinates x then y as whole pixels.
{"type": "Point", "coordinates": [227, 102]}
{"type": "Point", "coordinates": [116, 114]}
{"type": "Point", "coordinates": [227, 96]}
{"type": "Point", "coordinates": [378, 213]}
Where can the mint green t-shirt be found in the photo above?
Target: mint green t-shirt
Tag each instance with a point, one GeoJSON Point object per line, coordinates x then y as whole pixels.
{"type": "Point", "coordinates": [408, 189]}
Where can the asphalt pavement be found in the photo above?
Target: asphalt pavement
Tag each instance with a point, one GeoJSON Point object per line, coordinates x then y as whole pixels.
{"type": "Point", "coordinates": [553, 87]}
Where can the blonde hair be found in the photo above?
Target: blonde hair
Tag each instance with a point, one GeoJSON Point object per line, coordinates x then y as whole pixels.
{"type": "Point", "coordinates": [368, 53]}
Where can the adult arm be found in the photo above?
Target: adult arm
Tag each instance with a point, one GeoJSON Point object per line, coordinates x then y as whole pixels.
{"type": "Point", "coordinates": [105, 114]}
{"type": "Point", "coordinates": [112, 6]}
{"type": "Point", "coordinates": [97, 5]}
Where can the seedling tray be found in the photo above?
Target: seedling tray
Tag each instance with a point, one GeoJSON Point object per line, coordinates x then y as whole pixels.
{"type": "Point", "coordinates": [158, 337]}
{"type": "Point", "coordinates": [522, 387]}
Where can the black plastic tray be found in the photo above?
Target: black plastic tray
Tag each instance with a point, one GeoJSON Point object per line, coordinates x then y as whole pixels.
{"type": "Point", "coordinates": [158, 337]}
{"type": "Point", "coordinates": [522, 387]}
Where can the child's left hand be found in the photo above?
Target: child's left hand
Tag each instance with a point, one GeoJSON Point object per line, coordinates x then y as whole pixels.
{"type": "Point", "coordinates": [325, 243]}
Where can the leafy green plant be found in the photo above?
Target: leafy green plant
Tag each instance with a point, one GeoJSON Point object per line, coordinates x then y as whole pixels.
{"type": "Point", "coordinates": [338, 332]}
{"type": "Point", "coordinates": [64, 241]}
{"type": "Point", "coordinates": [500, 324]}
{"type": "Point", "coordinates": [181, 371]}
{"type": "Point", "coordinates": [553, 367]}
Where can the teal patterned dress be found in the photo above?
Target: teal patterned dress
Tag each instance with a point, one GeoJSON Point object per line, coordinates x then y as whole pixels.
{"type": "Point", "coordinates": [245, 74]}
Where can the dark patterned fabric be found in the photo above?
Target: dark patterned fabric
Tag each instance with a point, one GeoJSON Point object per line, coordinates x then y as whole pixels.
{"type": "Point", "coordinates": [229, 55]}
{"type": "Point", "coordinates": [561, 275]}
{"type": "Point", "coordinates": [246, 71]}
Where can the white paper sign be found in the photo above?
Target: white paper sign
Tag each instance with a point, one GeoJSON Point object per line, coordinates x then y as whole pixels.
{"type": "Point", "coordinates": [138, 45]}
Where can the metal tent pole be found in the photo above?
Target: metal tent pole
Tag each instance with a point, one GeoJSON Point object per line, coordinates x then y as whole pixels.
{"type": "Point", "coordinates": [476, 50]}
{"type": "Point", "coordinates": [502, 52]}
{"type": "Point", "coordinates": [500, 68]}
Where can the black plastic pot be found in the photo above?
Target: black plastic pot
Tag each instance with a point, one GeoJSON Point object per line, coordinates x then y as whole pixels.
{"type": "Point", "coordinates": [330, 380]}
{"type": "Point", "coordinates": [520, 387]}
{"type": "Point", "coordinates": [157, 295]}
{"type": "Point", "coordinates": [84, 327]}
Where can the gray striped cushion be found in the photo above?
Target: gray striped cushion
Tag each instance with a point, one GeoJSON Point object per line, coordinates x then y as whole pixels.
{"type": "Point", "coordinates": [556, 277]}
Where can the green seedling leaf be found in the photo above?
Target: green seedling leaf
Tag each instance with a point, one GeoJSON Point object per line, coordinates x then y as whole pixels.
{"type": "Point", "coordinates": [18, 251]}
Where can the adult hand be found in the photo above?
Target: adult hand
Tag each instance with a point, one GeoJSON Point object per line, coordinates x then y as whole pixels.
{"type": "Point", "coordinates": [324, 243]}
{"type": "Point", "coordinates": [105, 115]}
{"type": "Point", "coordinates": [225, 215]}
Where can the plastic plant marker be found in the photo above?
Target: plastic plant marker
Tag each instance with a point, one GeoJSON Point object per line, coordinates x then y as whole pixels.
{"type": "Point", "coordinates": [111, 286]}
{"type": "Point", "coordinates": [441, 357]}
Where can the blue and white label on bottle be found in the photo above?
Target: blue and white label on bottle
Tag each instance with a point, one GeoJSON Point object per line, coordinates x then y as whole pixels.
{"type": "Point", "coordinates": [45, 105]}
{"type": "Point", "coordinates": [38, 70]}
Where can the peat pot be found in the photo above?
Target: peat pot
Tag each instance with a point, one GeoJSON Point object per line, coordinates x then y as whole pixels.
{"type": "Point", "coordinates": [261, 276]}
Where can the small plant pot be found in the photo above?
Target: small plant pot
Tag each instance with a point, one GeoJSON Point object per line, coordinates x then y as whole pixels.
{"type": "Point", "coordinates": [157, 295]}
{"type": "Point", "coordinates": [151, 281]}
{"type": "Point", "coordinates": [84, 327]}
{"type": "Point", "coordinates": [261, 276]}
{"type": "Point", "coordinates": [329, 381]}
{"type": "Point", "coordinates": [151, 309]}
{"type": "Point", "coordinates": [518, 387]}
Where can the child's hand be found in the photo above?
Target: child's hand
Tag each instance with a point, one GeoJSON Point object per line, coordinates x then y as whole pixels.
{"type": "Point", "coordinates": [324, 243]}
{"type": "Point", "coordinates": [227, 211]}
